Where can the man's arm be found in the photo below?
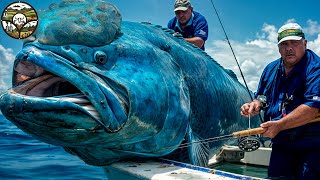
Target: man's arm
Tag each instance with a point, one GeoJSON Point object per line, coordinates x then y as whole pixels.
{"type": "Point", "coordinates": [302, 115]}
{"type": "Point", "coordinates": [200, 32]}
{"type": "Point", "coordinates": [196, 41]}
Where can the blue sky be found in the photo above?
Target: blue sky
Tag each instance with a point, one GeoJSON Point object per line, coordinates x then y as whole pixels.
{"type": "Point", "coordinates": [251, 26]}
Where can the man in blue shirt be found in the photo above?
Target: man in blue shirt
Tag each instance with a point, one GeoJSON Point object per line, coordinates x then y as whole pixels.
{"type": "Point", "coordinates": [192, 25]}
{"type": "Point", "coordinates": [289, 94]}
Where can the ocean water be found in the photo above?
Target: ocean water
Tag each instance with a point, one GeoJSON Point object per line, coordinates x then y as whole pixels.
{"type": "Point", "coordinates": [254, 171]}
{"type": "Point", "coordinates": [23, 157]}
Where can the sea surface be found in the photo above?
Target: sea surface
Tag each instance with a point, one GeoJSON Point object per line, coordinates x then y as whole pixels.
{"type": "Point", "coordinates": [254, 171]}
{"type": "Point", "coordinates": [23, 157]}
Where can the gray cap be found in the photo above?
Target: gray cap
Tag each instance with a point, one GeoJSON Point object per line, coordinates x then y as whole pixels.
{"type": "Point", "coordinates": [181, 5]}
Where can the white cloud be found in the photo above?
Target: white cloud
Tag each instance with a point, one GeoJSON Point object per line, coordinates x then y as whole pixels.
{"type": "Point", "coordinates": [269, 33]}
{"type": "Point", "coordinates": [6, 63]}
{"type": "Point", "coordinates": [313, 28]}
{"type": "Point", "coordinates": [315, 45]}
{"type": "Point", "coordinates": [255, 54]}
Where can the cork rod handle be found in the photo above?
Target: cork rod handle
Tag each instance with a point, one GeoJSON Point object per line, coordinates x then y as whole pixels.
{"type": "Point", "coordinates": [260, 130]}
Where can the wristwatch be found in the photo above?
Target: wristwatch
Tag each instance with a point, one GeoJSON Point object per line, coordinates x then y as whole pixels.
{"type": "Point", "coordinates": [263, 101]}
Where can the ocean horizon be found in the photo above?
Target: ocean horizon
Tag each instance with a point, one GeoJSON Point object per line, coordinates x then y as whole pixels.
{"type": "Point", "coordinates": [23, 157]}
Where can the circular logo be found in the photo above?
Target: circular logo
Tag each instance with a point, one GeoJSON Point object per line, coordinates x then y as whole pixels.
{"type": "Point", "coordinates": [19, 20]}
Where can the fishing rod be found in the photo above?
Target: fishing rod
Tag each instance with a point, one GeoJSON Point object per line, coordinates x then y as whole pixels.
{"type": "Point", "coordinates": [245, 144]}
{"type": "Point", "coordinates": [234, 55]}
{"type": "Point", "coordinates": [225, 33]}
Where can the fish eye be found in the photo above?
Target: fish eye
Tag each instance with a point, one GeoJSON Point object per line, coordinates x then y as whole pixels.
{"type": "Point", "coordinates": [100, 57]}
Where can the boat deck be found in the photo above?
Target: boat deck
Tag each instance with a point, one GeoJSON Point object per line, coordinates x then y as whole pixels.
{"type": "Point", "coordinates": [163, 169]}
{"type": "Point", "coordinates": [167, 170]}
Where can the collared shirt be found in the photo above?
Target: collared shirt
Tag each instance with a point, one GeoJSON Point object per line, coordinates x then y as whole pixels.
{"type": "Point", "coordinates": [188, 24]}
{"type": "Point", "coordinates": [302, 85]}
{"type": "Point", "coordinates": [197, 26]}
{"type": "Point", "coordinates": [286, 92]}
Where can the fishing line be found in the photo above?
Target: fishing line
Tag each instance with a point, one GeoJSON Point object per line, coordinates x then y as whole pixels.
{"type": "Point", "coordinates": [234, 55]}
{"type": "Point", "coordinates": [249, 119]}
{"type": "Point", "coordinates": [184, 145]}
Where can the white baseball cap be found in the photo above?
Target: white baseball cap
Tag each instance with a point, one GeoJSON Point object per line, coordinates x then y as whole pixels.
{"type": "Point", "coordinates": [290, 31]}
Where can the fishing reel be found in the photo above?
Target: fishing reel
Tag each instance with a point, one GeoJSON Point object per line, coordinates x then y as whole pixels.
{"type": "Point", "coordinates": [249, 143]}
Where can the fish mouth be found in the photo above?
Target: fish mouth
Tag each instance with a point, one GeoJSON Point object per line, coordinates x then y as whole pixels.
{"type": "Point", "coordinates": [52, 87]}
{"type": "Point", "coordinates": [41, 74]}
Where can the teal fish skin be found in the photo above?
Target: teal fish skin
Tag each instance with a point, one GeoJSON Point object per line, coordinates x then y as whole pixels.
{"type": "Point", "coordinates": [138, 91]}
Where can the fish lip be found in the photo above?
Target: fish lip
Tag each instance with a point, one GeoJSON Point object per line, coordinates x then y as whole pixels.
{"type": "Point", "coordinates": [18, 102]}
{"type": "Point", "coordinates": [44, 130]}
{"type": "Point", "coordinates": [115, 119]}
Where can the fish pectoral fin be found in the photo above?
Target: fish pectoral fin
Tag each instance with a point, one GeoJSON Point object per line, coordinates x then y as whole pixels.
{"type": "Point", "coordinates": [199, 150]}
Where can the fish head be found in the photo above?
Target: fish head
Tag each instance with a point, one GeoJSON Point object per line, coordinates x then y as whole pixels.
{"type": "Point", "coordinates": [100, 99]}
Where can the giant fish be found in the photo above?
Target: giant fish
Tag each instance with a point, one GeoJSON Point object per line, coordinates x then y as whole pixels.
{"type": "Point", "coordinates": [108, 90]}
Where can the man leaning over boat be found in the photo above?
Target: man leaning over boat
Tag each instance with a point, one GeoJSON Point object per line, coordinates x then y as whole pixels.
{"type": "Point", "coordinates": [190, 24]}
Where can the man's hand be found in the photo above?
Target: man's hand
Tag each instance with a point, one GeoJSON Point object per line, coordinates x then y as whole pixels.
{"type": "Point", "coordinates": [272, 128]}
{"type": "Point", "coordinates": [176, 34]}
{"type": "Point", "coordinates": [252, 108]}
{"type": "Point", "coordinates": [302, 115]}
